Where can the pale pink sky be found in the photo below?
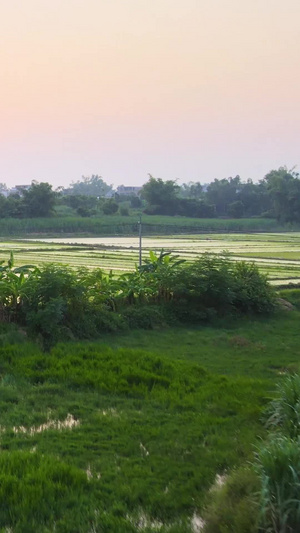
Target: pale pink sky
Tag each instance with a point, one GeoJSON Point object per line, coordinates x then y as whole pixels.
{"type": "Point", "coordinates": [186, 89]}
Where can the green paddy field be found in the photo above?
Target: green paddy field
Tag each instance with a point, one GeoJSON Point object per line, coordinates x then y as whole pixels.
{"type": "Point", "coordinates": [276, 254]}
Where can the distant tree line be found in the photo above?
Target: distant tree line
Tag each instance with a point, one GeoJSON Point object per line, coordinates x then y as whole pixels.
{"type": "Point", "coordinates": [277, 195]}
{"type": "Point", "coordinates": [38, 200]}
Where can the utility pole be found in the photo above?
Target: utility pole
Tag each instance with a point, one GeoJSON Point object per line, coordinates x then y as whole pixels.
{"type": "Point", "coordinates": [140, 240]}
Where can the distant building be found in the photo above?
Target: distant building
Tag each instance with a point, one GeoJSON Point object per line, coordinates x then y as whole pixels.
{"type": "Point", "coordinates": [128, 191]}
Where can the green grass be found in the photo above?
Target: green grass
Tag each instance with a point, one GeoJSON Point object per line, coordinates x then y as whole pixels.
{"type": "Point", "coordinates": [273, 255]}
{"type": "Point", "coordinates": [150, 434]}
{"type": "Point", "coordinates": [263, 348]}
{"type": "Point", "coordinates": [116, 224]}
{"type": "Point", "coordinates": [153, 417]}
{"type": "Point", "coordinates": [292, 295]}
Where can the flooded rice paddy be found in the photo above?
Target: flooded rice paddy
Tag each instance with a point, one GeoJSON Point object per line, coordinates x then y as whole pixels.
{"type": "Point", "coordinates": [276, 254]}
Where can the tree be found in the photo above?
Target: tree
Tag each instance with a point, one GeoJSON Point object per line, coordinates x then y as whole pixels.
{"type": "Point", "coordinates": [255, 198]}
{"type": "Point", "coordinates": [85, 206]}
{"type": "Point", "coordinates": [39, 200]}
{"type": "Point", "coordinates": [90, 186]}
{"type": "Point", "coordinates": [110, 207]}
{"type": "Point", "coordinates": [3, 188]}
{"type": "Point", "coordinates": [235, 209]}
{"type": "Point", "coordinates": [284, 189]}
{"type": "Point", "coordinates": [161, 196]}
{"type": "Point", "coordinates": [191, 190]}
{"type": "Point", "coordinates": [189, 207]}
{"type": "Point", "coordinates": [13, 207]}
{"type": "Point", "coordinates": [223, 192]}
{"type": "Point", "coordinates": [135, 201]}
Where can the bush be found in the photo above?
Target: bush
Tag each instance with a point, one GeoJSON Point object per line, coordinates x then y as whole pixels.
{"type": "Point", "coordinates": [135, 202]}
{"type": "Point", "coordinates": [124, 211]}
{"type": "Point", "coordinates": [107, 321]}
{"type": "Point", "coordinates": [143, 317]}
{"type": "Point", "coordinates": [46, 323]}
{"type": "Point", "coordinates": [253, 294]}
{"type": "Point", "coordinates": [214, 286]}
{"type": "Point", "coordinates": [56, 301]}
{"type": "Point", "coordinates": [51, 293]}
{"type": "Point", "coordinates": [233, 507]}
{"type": "Point", "coordinates": [110, 207]}
{"type": "Point", "coordinates": [64, 304]}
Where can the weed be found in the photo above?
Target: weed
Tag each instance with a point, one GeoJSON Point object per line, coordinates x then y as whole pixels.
{"type": "Point", "coordinates": [234, 506]}
{"type": "Point", "coordinates": [284, 411]}
{"type": "Point", "coordinates": [278, 467]}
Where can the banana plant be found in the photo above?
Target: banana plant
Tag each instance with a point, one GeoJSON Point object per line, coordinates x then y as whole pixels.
{"type": "Point", "coordinates": [131, 288]}
{"type": "Point", "coordinates": [101, 287]}
{"type": "Point", "coordinates": [164, 259]}
{"type": "Point", "coordinates": [13, 287]}
{"type": "Point", "coordinates": [159, 272]}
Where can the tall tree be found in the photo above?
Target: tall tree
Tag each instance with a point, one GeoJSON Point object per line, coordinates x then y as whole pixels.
{"type": "Point", "coordinates": [161, 196]}
{"type": "Point", "coordinates": [283, 186]}
{"type": "Point", "coordinates": [223, 192]}
{"type": "Point", "coordinates": [39, 200]}
{"type": "Point", "coordinates": [90, 186]}
{"type": "Point", "coordinates": [191, 190]}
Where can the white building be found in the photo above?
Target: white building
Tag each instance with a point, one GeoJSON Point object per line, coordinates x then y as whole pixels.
{"type": "Point", "coordinates": [128, 191]}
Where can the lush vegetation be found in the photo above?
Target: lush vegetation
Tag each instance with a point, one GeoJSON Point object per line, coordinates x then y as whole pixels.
{"type": "Point", "coordinates": [138, 437]}
{"type": "Point", "coordinates": [110, 438]}
{"type": "Point", "coordinates": [275, 196]}
{"type": "Point", "coordinates": [55, 302]}
{"type": "Point", "coordinates": [37, 201]}
{"type": "Point", "coordinates": [120, 225]}
{"type": "Point", "coordinates": [122, 439]}
{"type": "Point", "coordinates": [265, 495]}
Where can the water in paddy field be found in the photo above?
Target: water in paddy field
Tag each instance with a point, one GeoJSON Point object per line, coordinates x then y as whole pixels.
{"type": "Point", "coordinates": [277, 255]}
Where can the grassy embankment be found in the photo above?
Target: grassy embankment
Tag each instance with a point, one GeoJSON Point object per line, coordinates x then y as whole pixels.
{"type": "Point", "coordinates": [128, 435]}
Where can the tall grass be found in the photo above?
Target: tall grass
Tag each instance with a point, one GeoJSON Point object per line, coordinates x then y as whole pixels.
{"type": "Point", "coordinates": [284, 411]}
{"type": "Point", "coordinates": [278, 466]}
{"type": "Point", "coordinates": [38, 492]}
{"type": "Point", "coordinates": [274, 497]}
{"type": "Point", "coordinates": [116, 225]}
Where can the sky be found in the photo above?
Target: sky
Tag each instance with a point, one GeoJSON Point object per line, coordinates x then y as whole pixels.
{"type": "Point", "coordinates": [191, 90]}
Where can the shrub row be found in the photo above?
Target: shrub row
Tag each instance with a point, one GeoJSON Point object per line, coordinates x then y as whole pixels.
{"type": "Point", "coordinates": [56, 303]}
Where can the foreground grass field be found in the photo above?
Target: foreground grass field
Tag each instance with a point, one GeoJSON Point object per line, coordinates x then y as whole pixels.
{"type": "Point", "coordinates": [129, 434]}
{"type": "Point", "coordinates": [263, 349]}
